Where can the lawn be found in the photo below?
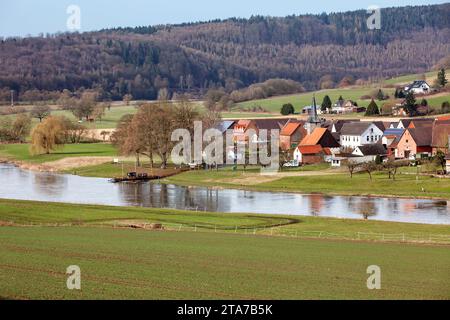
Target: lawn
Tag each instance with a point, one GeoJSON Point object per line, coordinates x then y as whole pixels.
{"type": "Point", "coordinates": [137, 264]}
{"type": "Point", "coordinates": [333, 183]}
{"type": "Point", "coordinates": [22, 152]}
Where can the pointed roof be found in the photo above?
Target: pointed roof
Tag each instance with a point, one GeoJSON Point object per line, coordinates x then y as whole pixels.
{"type": "Point", "coordinates": [314, 118]}
{"type": "Point", "coordinates": [290, 128]}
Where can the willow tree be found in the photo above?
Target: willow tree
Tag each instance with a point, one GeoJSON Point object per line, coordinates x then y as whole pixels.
{"type": "Point", "coordinates": [48, 135]}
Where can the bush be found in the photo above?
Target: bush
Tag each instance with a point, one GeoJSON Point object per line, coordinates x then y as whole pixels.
{"type": "Point", "coordinates": [287, 109]}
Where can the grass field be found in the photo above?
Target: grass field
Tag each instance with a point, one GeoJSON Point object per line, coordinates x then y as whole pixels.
{"type": "Point", "coordinates": [21, 152]}
{"type": "Point", "coordinates": [405, 185]}
{"type": "Point", "coordinates": [136, 264]}
{"type": "Point", "coordinates": [406, 79]}
{"type": "Point", "coordinates": [305, 99]}
{"type": "Point", "coordinates": [354, 93]}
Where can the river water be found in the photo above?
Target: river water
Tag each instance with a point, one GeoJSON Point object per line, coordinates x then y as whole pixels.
{"type": "Point", "coordinates": [16, 183]}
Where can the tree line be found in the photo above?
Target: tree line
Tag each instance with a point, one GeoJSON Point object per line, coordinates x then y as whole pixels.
{"type": "Point", "coordinates": [148, 132]}
{"type": "Point", "coordinates": [319, 51]}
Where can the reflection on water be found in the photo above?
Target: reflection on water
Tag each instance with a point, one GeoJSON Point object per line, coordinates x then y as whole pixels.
{"type": "Point", "coordinates": [26, 185]}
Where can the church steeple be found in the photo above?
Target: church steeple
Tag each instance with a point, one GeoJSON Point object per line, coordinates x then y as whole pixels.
{"type": "Point", "coordinates": [313, 119]}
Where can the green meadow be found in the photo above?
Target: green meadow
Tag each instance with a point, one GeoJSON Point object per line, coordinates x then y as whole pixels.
{"type": "Point", "coordinates": [21, 152]}
{"type": "Point", "coordinates": [137, 264]}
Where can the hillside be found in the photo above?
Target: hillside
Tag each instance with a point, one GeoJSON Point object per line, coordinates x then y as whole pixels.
{"type": "Point", "coordinates": [316, 50]}
{"type": "Point", "coordinates": [355, 93]}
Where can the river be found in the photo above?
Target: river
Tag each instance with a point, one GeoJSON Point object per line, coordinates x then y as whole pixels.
{"type": "Point", "coordinates": [16, 183]}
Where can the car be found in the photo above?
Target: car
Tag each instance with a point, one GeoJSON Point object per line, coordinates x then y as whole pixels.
{"type": "Point", "coordinates": [290, 164]}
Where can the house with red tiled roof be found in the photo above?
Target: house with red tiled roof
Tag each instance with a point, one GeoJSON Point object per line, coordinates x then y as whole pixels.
{"type": "Point", "coordinates": [322, 137]}
{"type": "Point", "coordinates": [311, 154]}
{"type": "Point", "coordinates": [316, 147]}
{"type": "Point", "coordinates": [291, 134]}
{"type": "Point", "coordinates": [415, 143]}
{"type": "Point", "coordinates": [245, 131]}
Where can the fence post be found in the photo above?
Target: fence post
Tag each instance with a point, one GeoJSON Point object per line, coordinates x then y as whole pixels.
{"type": "Point", "coordinates": [359, 236]}
{"type": "Point", "coordinates": [195, 228]}
{"type": "Point", "coordinates": [271, 231]}
{"type": "Point", "coordinates": [404, 238]}
{"type": "Point", "coordinates": [215, 228]}
{"type": "Point", "coordinates": [179, 229]}
{"type": "Point", "coordinates": [235, 230]}
{"type": "Point", "coordinates": [254, 231]}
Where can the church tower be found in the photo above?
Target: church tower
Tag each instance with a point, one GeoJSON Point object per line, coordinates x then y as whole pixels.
{"type": "Point", "coordinates": [313, 119]}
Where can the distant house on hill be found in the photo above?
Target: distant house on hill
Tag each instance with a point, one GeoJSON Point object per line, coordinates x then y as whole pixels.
{"type": "Point", "coordinates": [343, 107]}
{"type": "Point", "coordinates": [418, 87]}
{"type": "Point", "coordinates": [356, 134]}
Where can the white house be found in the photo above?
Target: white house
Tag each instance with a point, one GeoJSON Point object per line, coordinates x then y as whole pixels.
{"type": "Point", "coordinates": [357, 134]}
{"type": "Point", "coordinates": [418, 87]}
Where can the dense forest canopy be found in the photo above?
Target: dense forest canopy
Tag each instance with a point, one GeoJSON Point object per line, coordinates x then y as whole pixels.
{"type": "Point", "coordinates": [314, 50]}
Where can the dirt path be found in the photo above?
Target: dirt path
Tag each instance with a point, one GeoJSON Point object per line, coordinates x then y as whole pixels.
{"type": "Point", "coordinates": [255, 178]}
{"type": "Point", "coordinates": [62, 164]}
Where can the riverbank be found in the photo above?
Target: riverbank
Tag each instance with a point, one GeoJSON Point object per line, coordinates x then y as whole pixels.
{"type": "Point", "coordinates": [95, 160]}
{"type": "Point", "coordinates": [331, 183]}
{"type": "Point", "coordinates": [33, 213]}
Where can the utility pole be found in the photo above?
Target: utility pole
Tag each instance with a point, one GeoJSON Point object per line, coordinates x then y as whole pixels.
{"type": "Point", "coordinates": [12, 98]}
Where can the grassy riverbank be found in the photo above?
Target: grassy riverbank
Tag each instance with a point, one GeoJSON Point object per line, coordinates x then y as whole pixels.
{"type": "Point", "coordinates": [138, 264]}
{"type": "Point", "coordinates": [37, 213]}
{"type": "Point", "coordinates": [326, 182]}
{"type": "Point", "coordinates": [308, 179]}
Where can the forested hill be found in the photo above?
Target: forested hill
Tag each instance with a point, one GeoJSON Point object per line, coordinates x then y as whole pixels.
{"type": "Point", "coordinates": [316, 50]}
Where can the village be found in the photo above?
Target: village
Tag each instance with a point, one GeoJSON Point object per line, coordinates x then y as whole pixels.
{"type": "Point", "coordinates": [340, 142]}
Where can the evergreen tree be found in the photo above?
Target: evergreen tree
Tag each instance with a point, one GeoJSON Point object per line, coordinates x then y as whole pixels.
{"type": "Point", "coordinates": [424, 103]}
{"type": "Point", "coordinates": [442, 79]}
{"type": "Point", "coordinates": [372, 109]}
{"type": "Point", "coordinates": [287, 109]}
{"type": "Point", "coordinates": [326, 104]}
{"type": "Point", "coordinates": [410, 104]}
{"type": "Point", "coordinates": [380, 95]}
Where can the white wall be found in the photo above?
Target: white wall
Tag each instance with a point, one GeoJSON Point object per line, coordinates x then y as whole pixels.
{"type": "Point", "coordinates": [372, 135]}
